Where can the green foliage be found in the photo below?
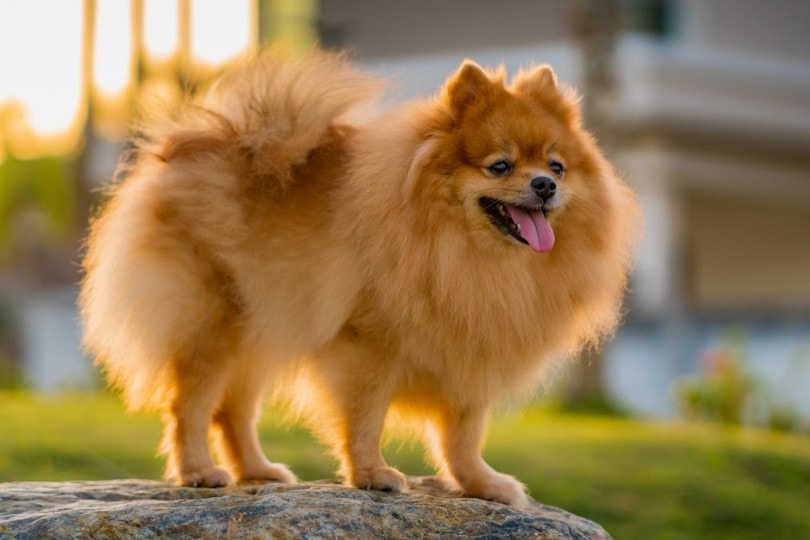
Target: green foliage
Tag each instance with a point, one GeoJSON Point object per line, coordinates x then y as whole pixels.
{"type": "Point", "coordinates": [660, 480]}
{"type": "Point", "coordinates": [43, 187]}
{"type": "Point", "coordinates": [11, 376]}
{"type": "Point", "coordinates": [637, 479]}
{"type": "Point", "coordinates": [591, 404]}
{"type": "Point", "coordinates": [726, 390]}
{"type": "Point", "coordinates": [82, 436]}
{"type": "Point", "coordinates": [721, 390]}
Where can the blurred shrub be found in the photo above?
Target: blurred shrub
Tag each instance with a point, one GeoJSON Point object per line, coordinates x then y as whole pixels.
{"type": "Point", "coordinates": [726, 390]}
{"type": "Point", "coordinates": [722, 388]}
{"type": "Point", "coordinates": [37, 203]}
{"type": "Point", "coordinates": [11, 376]}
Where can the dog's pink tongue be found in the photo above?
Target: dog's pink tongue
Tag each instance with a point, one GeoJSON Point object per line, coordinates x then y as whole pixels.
{"type": "Point", "coordinates": [533, 228]}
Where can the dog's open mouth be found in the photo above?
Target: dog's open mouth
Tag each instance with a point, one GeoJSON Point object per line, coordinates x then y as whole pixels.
{"type": "Point", "coordinates": [526, 225]}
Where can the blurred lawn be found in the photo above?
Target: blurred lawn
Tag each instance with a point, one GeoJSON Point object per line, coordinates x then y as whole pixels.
{"type": "Point", "coordinates": [638, 479]}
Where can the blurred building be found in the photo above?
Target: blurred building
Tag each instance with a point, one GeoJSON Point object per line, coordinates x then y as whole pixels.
{"type": "Point", "coordinates": [711, 124]}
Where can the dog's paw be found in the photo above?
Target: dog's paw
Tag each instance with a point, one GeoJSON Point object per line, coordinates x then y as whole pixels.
{"type": "Point", "coordinates": [500, 488]}
{"type": "Point", "coordinates": [210, 477]}
{"type": "Point", "coordinates": [379, 478]}
{"type": "Point", "coordinates": [270, 472]}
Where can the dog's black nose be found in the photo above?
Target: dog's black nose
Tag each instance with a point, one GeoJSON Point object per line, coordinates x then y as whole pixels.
{"type": "Point", "coordinates": [544, 187]}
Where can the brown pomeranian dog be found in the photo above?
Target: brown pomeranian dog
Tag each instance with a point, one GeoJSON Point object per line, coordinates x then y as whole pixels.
{"type": "Point", "coordinates": [429, 261]}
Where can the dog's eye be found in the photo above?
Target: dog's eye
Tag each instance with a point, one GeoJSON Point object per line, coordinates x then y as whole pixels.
{"type": "Point", "coordinates": [500, 168]}
{"type": "Point", "coordinates": [557, 168]}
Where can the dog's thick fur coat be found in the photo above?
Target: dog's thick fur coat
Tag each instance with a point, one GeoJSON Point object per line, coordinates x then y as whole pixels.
{"type": "Point", "coordinates": [262, 242]}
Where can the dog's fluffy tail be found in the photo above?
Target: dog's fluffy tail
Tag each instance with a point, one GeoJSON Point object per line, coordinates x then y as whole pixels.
{"type": "Point", "coordinates": [145, 294]}
{"type": "Point", "coordinates": [273, 106]}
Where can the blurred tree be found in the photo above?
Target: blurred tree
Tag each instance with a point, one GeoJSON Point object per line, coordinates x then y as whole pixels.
{"type": "Point", "coordinates": [36, 203]}
{"type": "Point", "coordinates": [291, 22]}
{"type": "Point", "coordinates": [36, 195]}
{"type": "Point", "coordinates": [595, 27]}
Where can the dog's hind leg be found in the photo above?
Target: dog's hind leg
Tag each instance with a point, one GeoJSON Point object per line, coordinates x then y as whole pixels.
{"type": "Point", "coordinates": [201, 371]}
{"type": "Point", "coordinates": [185, 437]}
{"type": "Point", "coordinates": [238, 441]}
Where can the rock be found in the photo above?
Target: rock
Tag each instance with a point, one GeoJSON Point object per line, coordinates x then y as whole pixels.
{"type": "Point", "coordinates": [151, 509]}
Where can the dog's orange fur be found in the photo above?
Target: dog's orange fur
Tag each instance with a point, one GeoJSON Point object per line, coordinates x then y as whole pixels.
{"type": "Point", "coordinates": [263, 243]}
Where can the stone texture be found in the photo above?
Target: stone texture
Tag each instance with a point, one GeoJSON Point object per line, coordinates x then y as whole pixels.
{"type": "Point", "coordinates": [150, 509]}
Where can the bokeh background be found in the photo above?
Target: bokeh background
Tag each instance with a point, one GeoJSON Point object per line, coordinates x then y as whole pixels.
{"type": "Point", "coordinates": [703, 104]}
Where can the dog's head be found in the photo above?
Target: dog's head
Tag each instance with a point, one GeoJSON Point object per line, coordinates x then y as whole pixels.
{"type": "Point", "coordinates": [514, 157]}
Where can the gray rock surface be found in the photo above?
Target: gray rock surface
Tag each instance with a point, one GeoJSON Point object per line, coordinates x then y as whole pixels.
{"type": "Point", "coordinates": [150, 509]}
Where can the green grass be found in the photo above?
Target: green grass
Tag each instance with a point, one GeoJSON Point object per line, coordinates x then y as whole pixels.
{"type": "Point", "coordinates": [638, 479]}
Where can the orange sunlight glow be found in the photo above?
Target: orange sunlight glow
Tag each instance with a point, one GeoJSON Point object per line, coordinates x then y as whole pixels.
{"type": "Point", "coordinates": [40, 69]}
{"type": "Point", "coordinates": [43, 79]}
{"type": "Point", "coordinates": [112, 47]}
{"type": "Point", "coordinates": [221, 30]}
{"type": "Point", "coordinates": [161, 28]}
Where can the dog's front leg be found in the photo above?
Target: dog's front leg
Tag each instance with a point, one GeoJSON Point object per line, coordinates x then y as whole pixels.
{"type": "Point", "coordinates": [458, 438]}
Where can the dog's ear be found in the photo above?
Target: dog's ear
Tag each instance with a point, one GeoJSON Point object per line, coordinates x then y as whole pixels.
{"type": "Point", "coordinates": [540, 82]}
{"type": "Point", "coordinates": [541, 86]}
{"type": "Point", "coordinates": [469, 85]}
